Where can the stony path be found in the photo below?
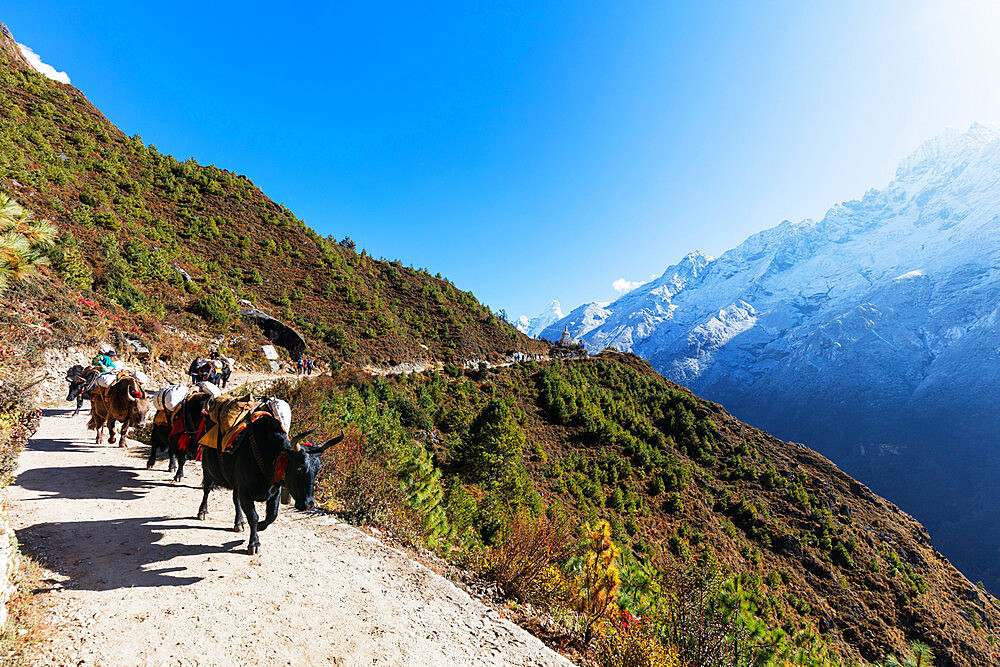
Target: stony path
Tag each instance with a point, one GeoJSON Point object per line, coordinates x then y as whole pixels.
{"type": "Point", "coordinates": [139, 581]}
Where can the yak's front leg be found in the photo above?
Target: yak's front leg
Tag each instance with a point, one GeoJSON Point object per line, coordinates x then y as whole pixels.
{"type": "Point", "coordinates": [239, 522]}
{"type": "Point", "coordinates": [180, 466]}
{"type": "Point", "coordinates": [111, 430]}
{"type": "Point", "coordinates": [79, 404]}
{"type": "Point", "coordinates": [272, 510]}
{"type": "Point", "coordinates": [206, 485]}
{"type": "Point", "coordinates": [246, 501]}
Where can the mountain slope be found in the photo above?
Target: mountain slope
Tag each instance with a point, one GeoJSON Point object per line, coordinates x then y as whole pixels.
{"type": "Point", "coordinates": [871, 334]}
{"type": "Point", "coordinates": [608, 438]}
{"type": "Point", "coordinates": [183, 244]}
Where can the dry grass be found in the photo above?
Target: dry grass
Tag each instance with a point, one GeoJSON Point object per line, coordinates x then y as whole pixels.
{"type": "Point", "coordinates": [28, 626]}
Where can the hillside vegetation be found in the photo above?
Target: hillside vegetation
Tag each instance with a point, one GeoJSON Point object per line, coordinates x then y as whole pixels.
{"type": "Point", "coordinates": [181, 243]}
{"type": "Point", "coordinates": [653, 527]}
{"type": "Point", "coordinates": [495, 467]}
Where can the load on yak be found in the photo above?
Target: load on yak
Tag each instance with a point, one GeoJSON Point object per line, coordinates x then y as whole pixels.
{"type": "Point", "coordinates": [118, 397]}
{"type": "Point", "coordinates": [82, 380]}
{"type": "Point", "coordinates": [177, 420]}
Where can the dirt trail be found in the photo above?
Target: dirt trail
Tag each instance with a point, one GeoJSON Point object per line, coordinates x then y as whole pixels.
{"type": "Point", "coordinates": [139, 581]}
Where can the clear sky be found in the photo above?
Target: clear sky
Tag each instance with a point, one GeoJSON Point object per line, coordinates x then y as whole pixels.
{"type": "Point", "coordinates": [537, 151]}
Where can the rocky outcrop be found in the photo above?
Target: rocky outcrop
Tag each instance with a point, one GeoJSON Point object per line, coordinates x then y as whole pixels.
{"type": "Point", "coordinates": [277, 331]}
{"type": "Point", "coordinates": [9, 46]}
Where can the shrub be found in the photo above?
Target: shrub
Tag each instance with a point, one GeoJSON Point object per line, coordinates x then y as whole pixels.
{"type": "Point", "coordinates": [214, 309]}
{"type": "Point", "coordinates": [626, 641]}
{"type": "Point", "coordinates": [75, 270]}
{"type": "Point", "coordinates": [673, 504]}
{"type": "Point", "coordinates": [522, 563]}
{"type": "Point", "coordinates": [363, 488]}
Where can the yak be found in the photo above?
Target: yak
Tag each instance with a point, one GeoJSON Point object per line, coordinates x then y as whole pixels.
{"type": "Point", "coordinates": [180, 435]}
{"type": "Point", "coordinates": [125, 402]}
{"type": "Point", "coordinates": [81, 381]}
{"type": "Point", "coordinates": [255, 466]}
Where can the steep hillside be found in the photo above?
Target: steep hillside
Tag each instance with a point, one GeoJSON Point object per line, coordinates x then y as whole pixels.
{"type": "Point", "coordinates": [182, 244]}
{"type": "Point", "coordinates": [871, 335]}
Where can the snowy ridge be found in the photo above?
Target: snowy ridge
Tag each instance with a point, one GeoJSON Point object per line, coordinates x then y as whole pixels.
{"type": "Point", "coordinates": [534, 326]}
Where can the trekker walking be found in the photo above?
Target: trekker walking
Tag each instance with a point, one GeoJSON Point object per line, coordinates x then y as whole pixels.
{"type": "Point", "coordinates": [198, 370]}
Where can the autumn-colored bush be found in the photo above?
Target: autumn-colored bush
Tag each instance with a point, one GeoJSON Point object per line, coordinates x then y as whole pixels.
{"type": "Point", "coordinates": [18, 421]}
{"type": "Point", "coordinates": [626, 641]}
{"type": "Point", "coordinates": [359, 485]}
{"type": "Point", "coordinates": [523, 562]}
{"type": "Point", "coordinates": [596, 584]}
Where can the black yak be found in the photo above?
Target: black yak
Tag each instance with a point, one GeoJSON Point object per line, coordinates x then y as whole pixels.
{"type": "Point", "coordinates": [81, 381]}
{"type": "Point", "coordinates": [261, 459]}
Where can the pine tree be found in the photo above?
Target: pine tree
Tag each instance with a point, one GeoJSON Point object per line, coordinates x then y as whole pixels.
{"type": "Point", "coordinates": [74, 268]}
{"type": "Point", "coordinates": [920, 655]}
{"type": "Point", "coordinates": [599, 578]}
{"type": "Point", "coordinates": [24, 242]}
{"type": "Point", "coordinates": [491, 449]}
{"type": "Point", "coordinates": [422, 482]}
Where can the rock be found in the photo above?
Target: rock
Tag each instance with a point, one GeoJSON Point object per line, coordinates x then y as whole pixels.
{"type": "Point", "coordinates": [184, 274]}
{"type": "Point", "coordinates": [277, 331]}
{"type": "Point", "coordinates": [137, 347]}
{"type": "Point", "coordinates": [269, 352]}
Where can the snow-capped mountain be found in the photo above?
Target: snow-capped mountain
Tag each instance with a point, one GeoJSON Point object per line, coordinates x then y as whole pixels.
{"type": "Point", "coordinates": [872, 335]}
{"type": "Point", "coordinates": [536, 325]}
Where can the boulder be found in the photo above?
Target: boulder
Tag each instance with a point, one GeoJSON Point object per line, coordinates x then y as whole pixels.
{"type": "Point", "coordinates": [277, 331]}
{"type": "Point", "coordinates": [138, 348]}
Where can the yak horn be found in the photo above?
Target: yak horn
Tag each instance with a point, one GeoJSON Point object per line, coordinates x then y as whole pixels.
{"type": "Point", "coordinates": [331, 443]}
{"type": "Point", "coordinates": [297, 439]}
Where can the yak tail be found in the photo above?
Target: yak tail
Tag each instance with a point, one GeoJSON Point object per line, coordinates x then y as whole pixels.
{"type": "Point", "coordinates": [93, 423]}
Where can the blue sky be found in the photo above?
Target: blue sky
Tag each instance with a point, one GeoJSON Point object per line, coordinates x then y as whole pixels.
{"type": "Point", "coordinates": [541, 150]}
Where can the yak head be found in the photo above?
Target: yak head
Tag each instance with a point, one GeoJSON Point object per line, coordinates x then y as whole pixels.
{"type": "Point", "coordinates": [76, 381]}
{"type": "Point", "coordinates": [137, 396]}
{"type": "Point", "coordinates": [302, 467]}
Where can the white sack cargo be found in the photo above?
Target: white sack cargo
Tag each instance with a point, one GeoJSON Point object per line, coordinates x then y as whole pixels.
{"type": "Point", "coordinates": [170, 397]}
{"type": "Point", "coordinates": [281, 410]}
{"type": "Point", "coordinates": [210, 388]}
{"type": "Point", "coordinates": [105, 380]}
